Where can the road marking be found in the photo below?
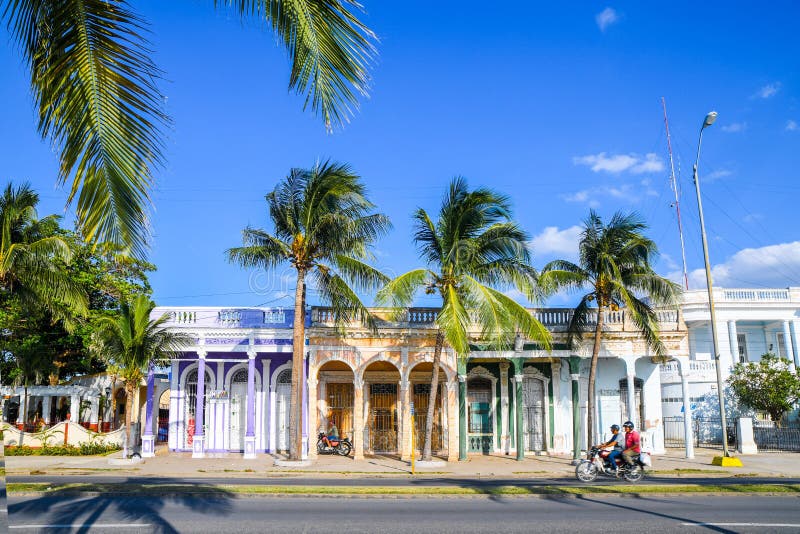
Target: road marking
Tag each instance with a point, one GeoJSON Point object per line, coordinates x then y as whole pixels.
{"type": "Point", "coordinates": [82, 525]}
{"type": "Point", "coordinates": [787, 525]}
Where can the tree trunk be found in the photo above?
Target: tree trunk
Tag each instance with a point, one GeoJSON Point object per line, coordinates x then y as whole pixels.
{"type": "Point", "coordinates": [298, 347]}
{"type": "Point", "coordinates": [437, 357]}
{"type": "Point", "coordinates": [128, 410]}
{"type": "Point", "coordinates": [590, 409]}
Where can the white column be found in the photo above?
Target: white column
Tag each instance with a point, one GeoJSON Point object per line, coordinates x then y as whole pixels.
{"type": "Point", "coordinates": [175, 428]}
{"type": "Point", "coordinates": [94, 412]}
{"type": "Point", "coordinates": [505, 441]}
{"type": "Point", "coordinates": [787, 340]}
{"type": "Point", "coordinates": [263, 419]}
{"type": "Point", "coordinates": [313, 413]}
{"type": "Point", "coordinates": [46, 404]}
{"type": "Point", "coordinates": [733, 339]}
{"type": "Point", "coordinates": [688, 437]}
{"type": "Point", "coordinates": [404, 439]}
{"type": "Point", "coordinates": [630, 376]}
{"type": "Point", "coordinates": [74, 408]}
{"type": "Point", "coordinates": [795, 341]}
{"type": "Point", "coordinates": [358, 418]}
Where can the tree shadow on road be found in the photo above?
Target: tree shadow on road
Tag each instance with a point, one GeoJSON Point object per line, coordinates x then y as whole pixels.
{"type": "Point", "coordinates": [141, 505]}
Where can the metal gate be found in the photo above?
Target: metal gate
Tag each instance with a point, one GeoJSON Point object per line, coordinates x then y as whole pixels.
{"type": "Point", "coordinates": [533, 414]}
{"type": "Point", "coordinates": [382, 427]}
{"type": "Point", "coordinates": [422, 395]}
{"type": "Point", "coordinates": [479, 400]}
{"type": "Point", "coordinates": [283, 394]}
{"type": "Point", "coordinates": [191, 404]}
{"type": "Point", "coordinates": [340, 408]}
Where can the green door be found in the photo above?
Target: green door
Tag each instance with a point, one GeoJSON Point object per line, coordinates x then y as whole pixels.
{"type": "Point", "coordinates": [479, 397]}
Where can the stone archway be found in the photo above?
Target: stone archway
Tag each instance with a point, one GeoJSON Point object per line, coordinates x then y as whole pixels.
{"type": "Point", "coordinates": [382, 407]}
{"type": "Point", "coordinates": [419, 382]}
{"type": "Point", "coordinates": [336, 399]}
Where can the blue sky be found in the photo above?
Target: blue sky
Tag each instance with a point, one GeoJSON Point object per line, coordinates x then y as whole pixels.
{"type": "Point", "coordinates": [558, 106]}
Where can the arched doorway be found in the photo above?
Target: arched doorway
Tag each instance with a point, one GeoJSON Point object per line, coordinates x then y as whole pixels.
{"type": "Point", "coordinates": [163, 416]}
{"type": "Point", "coordinates": [238, 409]}
{"type": "Point", "coordinates": [638, 415]}
{"type": "Point", "coordinates": [283, 402]}
{"type": "Point", "coordinates": [191, 404]}
{"type": "Point", "coordinates": [336, 398]}
{"type": "Point", "coordinates": [533, 413]}
{"type": "Point", "coordinates": [420, 382]}
{"type": "Point", "coordinates": [480, 397]}
{"type": "Point", "coordinates": [381, 431]}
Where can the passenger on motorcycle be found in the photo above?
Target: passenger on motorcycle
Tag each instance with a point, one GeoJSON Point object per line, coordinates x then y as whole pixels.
{"type": "Point", "coordinates": [616, 442]}
{"type": "Point", "coordinates": [333, 435]}
{"type": "Point", "coordinates": [633, 444]}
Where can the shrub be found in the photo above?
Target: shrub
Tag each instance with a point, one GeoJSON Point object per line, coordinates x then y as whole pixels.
{"type": "Point", "coordinates": [84, 449]}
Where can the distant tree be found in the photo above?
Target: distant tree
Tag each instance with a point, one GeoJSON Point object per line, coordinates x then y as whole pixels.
{"type": "Point", "coordinates": [614, 265]}
{"type": "Point", "coordinates": [323, 227]}
{"type": "Point", "coordinates": [768, 385]}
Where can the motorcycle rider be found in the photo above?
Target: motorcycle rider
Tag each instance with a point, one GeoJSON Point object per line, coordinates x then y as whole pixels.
{"type": "Point", "coordinates": [333, 435]}
{"type": "Point", "coordinates": [617, 440]}
{"type": "Point", "coordinates": [633, 443]}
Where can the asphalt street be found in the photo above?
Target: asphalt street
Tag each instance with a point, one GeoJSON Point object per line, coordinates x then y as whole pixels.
{"type": "Point", "coordinates": [405, 481]}
{"type": "Point", "coordinates": [190, 514]}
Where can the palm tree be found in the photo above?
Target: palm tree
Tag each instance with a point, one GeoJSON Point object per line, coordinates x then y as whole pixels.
{"type": "Point", "coordinates": [32, 256]}
{"type": "Point", "coordinates": [132, 343]}
{"type": "Point", "coordinates": [615, 265]}
{"type": "Point", "coordinates": [95, 86]}
{"type": "Point", "coordinates": [473, 249]}
{"type": "Point", "coordinates": [323, 227]}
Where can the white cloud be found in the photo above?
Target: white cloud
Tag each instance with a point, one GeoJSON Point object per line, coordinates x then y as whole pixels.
{"type": "Point", "coordinates": [716, 175]}
{"type": "Point", "coordinates": [735, 127]}
{"type": "Point", "coordinates": [769, 266]}
{"type": "Point", "coordinates": [606, 18]}
{"type": "Point", "coordinates": [753, 217]}
{"type": "Point", "coordinates": [562, 243]}
{"type": "Point", "coordinates": [792, 126]}
{"type": "Point", "coordinates": [768, 91]}
{"type": "Point", "coordinates": [619, 163]}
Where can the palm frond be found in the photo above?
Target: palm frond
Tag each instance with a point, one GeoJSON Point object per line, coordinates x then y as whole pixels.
{"type": "Point", "coordinates": [95, 86]}
{"type": "Point", "coordinates": [454, 320]}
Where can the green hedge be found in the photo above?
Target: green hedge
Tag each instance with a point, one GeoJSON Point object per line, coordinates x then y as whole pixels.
{"type": "Point", "coordinates": [84, 449]}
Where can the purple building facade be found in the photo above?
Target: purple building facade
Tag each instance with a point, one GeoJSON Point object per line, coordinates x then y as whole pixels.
{"type": "Point", "coordinates": [230, 390]}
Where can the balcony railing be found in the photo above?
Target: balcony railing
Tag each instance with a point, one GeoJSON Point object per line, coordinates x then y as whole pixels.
{"type": "Point", "coordinates": [699, 370]}
{"type": "Point", "coordinates": [552, 318]}
{"type": "Point", "coordinates": [767, 295]}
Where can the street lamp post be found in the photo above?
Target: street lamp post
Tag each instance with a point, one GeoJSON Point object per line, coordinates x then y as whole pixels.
{"type": "Point", "coordinates": [709, 120]}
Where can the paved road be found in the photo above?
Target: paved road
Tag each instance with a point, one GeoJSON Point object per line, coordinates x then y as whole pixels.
{"type": "Point", "coordinates": [689, 514]}
{"type": "Point", "coordinates": [389, 482]}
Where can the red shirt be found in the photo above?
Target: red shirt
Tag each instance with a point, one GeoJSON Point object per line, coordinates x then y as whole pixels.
{"type": "Point", "coordinates": [632, 441]}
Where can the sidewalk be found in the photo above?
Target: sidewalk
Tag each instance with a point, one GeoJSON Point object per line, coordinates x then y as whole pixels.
{"type": "Point", "coordinates": [234, 466]}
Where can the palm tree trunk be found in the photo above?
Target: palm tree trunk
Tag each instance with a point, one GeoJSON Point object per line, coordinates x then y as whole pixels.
{"type": "Point", "coordinates": [598, 332]}
{"type": "Point", "coordinates": [437, 357]}
{"type": "Point", "coordinates": [128, 410]}
{"type": "Point", "coordinates": [298, 346]}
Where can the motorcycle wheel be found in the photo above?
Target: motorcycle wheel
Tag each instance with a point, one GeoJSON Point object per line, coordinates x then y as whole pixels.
{"type": "Point", "coordinates": [320, 447]}
{"type": "Point", "coordinates": [343, 449]}
{"type": "Point", "coordinates": [586, 471]}
{"type": "Point", "coordinates": [633, 473]}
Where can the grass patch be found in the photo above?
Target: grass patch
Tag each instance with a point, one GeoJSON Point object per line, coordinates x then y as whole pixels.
{"type": "Point", "coordinates": [230, 490]}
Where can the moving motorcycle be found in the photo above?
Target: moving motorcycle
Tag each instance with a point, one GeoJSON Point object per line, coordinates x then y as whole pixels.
{"type": "Point", "coordinates": [596, 464]}
{"type": "Point", "coordinates": [342, 446]}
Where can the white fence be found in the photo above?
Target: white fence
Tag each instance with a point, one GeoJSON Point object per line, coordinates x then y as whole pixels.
{"type": "Point", "coordinates": [76, 434]}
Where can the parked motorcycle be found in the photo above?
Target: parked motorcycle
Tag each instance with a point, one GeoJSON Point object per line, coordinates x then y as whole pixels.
{"type": "Point", "coordinates": [597, 464]}
{"type": "Point", "coordinates": [342, 446]}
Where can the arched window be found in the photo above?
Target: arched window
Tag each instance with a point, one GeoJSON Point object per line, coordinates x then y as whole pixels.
{"type": "Point", "coordinates": [239, 377]}
{"type": "Point", "coordinates": [285, 377]}
{"type": "Point", "coordinates": [191, 391]}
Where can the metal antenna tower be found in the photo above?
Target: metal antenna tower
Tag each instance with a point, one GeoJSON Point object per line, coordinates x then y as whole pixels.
{"type": "Point", "coordinates": [676, 204]}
